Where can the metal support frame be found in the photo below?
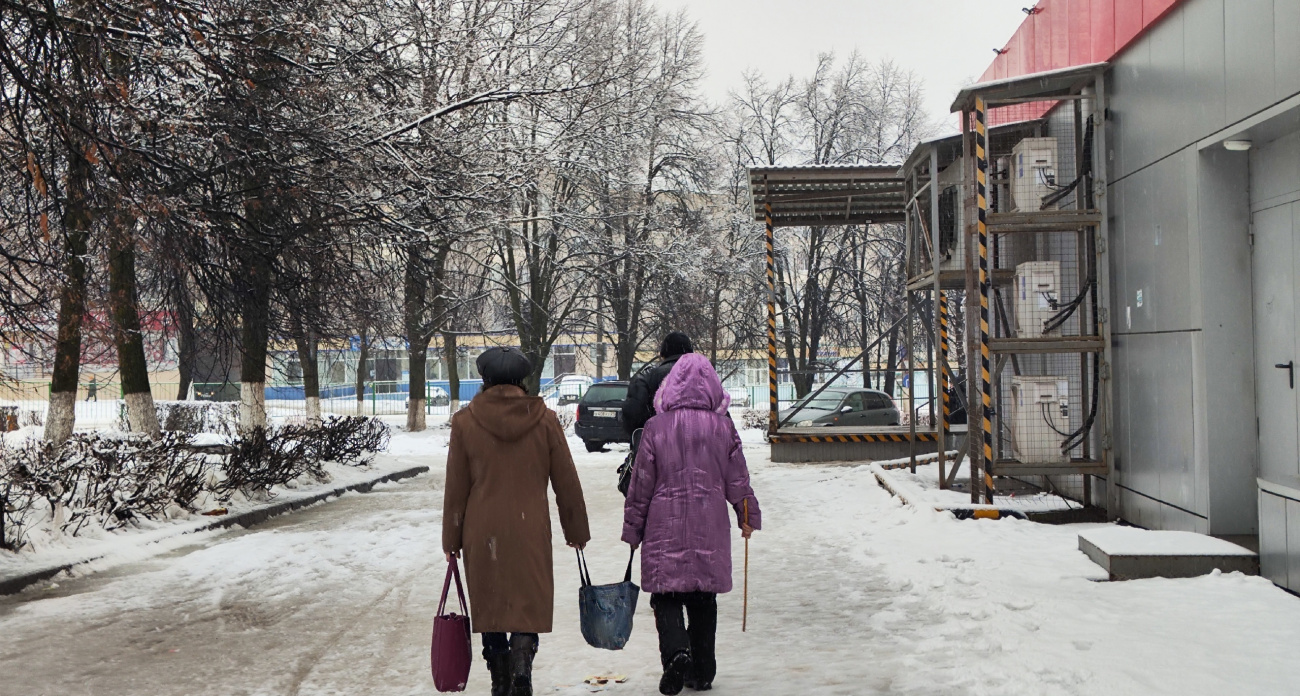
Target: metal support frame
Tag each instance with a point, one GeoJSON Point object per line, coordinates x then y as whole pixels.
{"type": "Point", "coordinates": [1101, 182]}
{"type": "Point", "coordinates": [771, 321]}
{"type": "Point", "coordinates": [985, 290]}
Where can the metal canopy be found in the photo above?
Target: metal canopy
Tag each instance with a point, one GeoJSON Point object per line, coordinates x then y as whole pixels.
{"type": "Point", "coordinates": [1044, 86]}
{"type": "Point", "coordinates": [824, 195]}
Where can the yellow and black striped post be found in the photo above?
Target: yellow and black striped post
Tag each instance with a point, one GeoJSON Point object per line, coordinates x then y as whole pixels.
{"type": "Point", "coordinates": [985, 287]}
{"type": "Point", "coordinates": [945, 379]}
{"type": "Point", "coordinates": [771, 320]}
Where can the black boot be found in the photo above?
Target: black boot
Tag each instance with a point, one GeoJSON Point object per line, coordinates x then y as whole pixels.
{"type": "Point", "coordinates": [523, 646]}
{"type": "Point", "coordinates": [499, 666]}
{"type": "Point", "coordinates": [675, 674]}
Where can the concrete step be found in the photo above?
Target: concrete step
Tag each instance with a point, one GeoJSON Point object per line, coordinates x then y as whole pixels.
{"type": "Point", "coordinates": [1130, 553]}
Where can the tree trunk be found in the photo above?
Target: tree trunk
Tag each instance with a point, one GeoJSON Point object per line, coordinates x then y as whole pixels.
{"type": "Point", "coordinates": [864, 329]}
{"type": "Point", "coordinates": [415, 311]}
{"type": "Point", "coordinates": [362, 372]}
{"type": "Point", "coordinates": [715, 321]}
{"type": "Point", "coordinates": [254, 335]}
{"type": "Point", "coordinates": [186, 348]}
{"type": "Point", "coordinates": [891, 362]}
{"type": "Point", "coordinates": [62, 415]}
{"type": "Point", "coordinates": [307, 350]}
{"type": "Point", "coordinates": [449, 353]}
{"type": "Point", "coordinates": [131, 365]}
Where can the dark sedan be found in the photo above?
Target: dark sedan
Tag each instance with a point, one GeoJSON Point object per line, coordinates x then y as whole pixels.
{"type": "Point", "coordinates": [600, 415]}
{"type": "Point", "coordinates": [842, 407]}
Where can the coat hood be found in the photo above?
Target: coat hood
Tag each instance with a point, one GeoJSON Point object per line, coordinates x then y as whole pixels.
{"type": "Point", "coordinates": [692, 384]}
{"type": "Point", "coordinates": [507, 412]}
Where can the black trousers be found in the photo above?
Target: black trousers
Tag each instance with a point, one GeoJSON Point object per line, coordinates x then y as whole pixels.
{"type": "Point", "coordinates": [499, 643]}
{"type": "Point", "coordinates": [698, 638]}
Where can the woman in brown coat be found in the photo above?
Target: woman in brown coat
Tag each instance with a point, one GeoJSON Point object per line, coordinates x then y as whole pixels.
{"type": "Point", "coordinates": [505, 448]}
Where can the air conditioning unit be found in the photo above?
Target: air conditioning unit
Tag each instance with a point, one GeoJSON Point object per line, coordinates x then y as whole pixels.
{"type": "Point", "coordinates": [1033, 173]}
{"type": "Point", "coordinates": [1037, 297]}
{"type": "Point", "coordinates": [1040, 419]}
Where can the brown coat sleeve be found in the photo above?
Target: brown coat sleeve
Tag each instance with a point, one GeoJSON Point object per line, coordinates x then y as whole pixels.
{"type": "Point", "coordinates": [568, 489]}
{"type": "Point", "coordinates": [455, 495]}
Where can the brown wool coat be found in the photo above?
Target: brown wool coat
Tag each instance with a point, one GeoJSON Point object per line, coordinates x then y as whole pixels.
{"type": "Point", "coordinates": [505, 448]}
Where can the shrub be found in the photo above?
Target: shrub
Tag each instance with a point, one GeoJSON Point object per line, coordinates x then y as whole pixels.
{"type": "Point", "coordinates": [93, 478]}
{"type": "Point", "coordinates": [754, 419]}
{"type": "Point", "coordinates": [566, 419]}
{"type": "Point", "coordinates": [350, 440]}
{"type": "Point", "coordinates": [266, 458]}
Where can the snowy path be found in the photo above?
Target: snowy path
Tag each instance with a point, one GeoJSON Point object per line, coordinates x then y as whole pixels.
{"type": "Point", "coordinates": [851, 593]}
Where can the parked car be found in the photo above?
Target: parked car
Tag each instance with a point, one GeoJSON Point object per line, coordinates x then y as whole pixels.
{"type": "Point", "coordinates": [438, 396]}
{"type": "Point", "coordinates": [599, 419]}
{"type": "Point", "coordinates": [842, 407]}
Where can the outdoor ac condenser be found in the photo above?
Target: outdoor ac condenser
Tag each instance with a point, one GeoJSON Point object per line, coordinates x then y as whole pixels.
{"type": "Point", "coordinates": [1033, 173]}
{"type": "Point", "coordinates": [1038, 286]}
{"type": "Point", "coordinates": [1040, 419]}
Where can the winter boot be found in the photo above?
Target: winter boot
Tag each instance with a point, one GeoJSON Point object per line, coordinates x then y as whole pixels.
{"type": "Point", "coordinates": [675, 674]}
{"type": "Point", "coordinates": [699, 684]}
{"type": "Point", "coordinates": [523, 647]}
{"type": "Point", "coordinates": [499, 666]}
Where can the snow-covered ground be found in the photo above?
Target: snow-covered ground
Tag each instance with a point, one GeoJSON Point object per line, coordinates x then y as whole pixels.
{"type": "Point", "coordinates": [850, 593]}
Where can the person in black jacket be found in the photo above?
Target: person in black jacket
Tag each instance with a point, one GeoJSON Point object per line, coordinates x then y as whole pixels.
{"type": "Point", "coordinates": [640, 404]}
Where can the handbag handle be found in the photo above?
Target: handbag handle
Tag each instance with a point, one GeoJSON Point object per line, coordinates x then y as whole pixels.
{"type": "Point", "coordinates": [584, 574]}
{"type": "Point", "coordinates": [453, 571]}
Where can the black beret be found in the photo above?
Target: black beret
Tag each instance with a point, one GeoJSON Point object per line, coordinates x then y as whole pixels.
{"type": "Point", "coordinates": [675, 343]}
{"type": "Point", "coordinates": [503, 366]}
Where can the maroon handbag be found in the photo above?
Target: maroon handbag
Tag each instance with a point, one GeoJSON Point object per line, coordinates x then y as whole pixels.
{"type": "Point", "coordinates": [450, 655]}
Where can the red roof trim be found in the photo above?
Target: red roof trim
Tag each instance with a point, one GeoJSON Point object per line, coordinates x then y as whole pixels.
{"type": "Point", "coordinates": [1069, 33]}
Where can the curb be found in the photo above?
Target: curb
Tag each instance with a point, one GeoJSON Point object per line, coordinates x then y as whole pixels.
{"type": "Point", "coordinates": [248, 518]}
{"type": "Point", "coordinates": [958, 511]}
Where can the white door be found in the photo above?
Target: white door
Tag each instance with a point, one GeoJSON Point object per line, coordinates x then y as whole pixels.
{"type": "Point", "coordinates": [1277, 350]}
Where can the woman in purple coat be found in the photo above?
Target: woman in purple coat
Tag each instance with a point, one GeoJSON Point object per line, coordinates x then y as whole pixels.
{"type": "Point", "coordinates": [689, 468]}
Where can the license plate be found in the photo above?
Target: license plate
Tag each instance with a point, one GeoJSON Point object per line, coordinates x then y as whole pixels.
{"type": "Point", "coordinates": [605, 414]}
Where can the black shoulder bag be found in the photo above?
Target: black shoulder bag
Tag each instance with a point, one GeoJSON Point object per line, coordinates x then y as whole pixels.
{"type": "Point", "coordinates": [625, 470]}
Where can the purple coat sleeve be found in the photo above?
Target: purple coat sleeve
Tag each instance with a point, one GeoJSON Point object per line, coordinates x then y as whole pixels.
{"type": "Point", "coordinates": [641, 490]}
{"type": "Point", "coordinates": [736, 480]}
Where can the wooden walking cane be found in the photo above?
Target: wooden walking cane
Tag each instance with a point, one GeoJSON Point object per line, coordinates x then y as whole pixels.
{"type": "Point", "coordinates": [744, 617]}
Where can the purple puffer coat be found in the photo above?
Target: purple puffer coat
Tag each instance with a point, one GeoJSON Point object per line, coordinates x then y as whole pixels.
{"type": "Point", "coordinates": [689, 466]}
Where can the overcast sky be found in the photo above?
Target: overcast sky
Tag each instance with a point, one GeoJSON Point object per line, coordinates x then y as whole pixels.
{"type": "Point", "coordinates": [948, 43]}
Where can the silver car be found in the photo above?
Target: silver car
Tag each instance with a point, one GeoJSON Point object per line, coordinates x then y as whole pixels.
{"type": "Point", "coordinates": [844, 408]}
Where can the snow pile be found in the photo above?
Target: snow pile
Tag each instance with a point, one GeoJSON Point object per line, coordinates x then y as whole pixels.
{"type": "Point", "coordinates": [922, 488]}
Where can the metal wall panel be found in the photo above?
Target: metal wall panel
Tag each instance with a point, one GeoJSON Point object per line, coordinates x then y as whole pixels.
{"type": "Point", "coordinates": [1250, 57]}
{"type": "Point", "coordinates": [1171, 285]}
{"type": "Point", "coordinates": [1222, 282]}
{"type": "Point", "coordinates": [1205, 106]}
{"type": "Point", "coordinates": [1169, 89]}
{"type": "Point", "coordinates": [1175, 440]}
{"type": "Point", "coordinates": [1275, 172]}
{"type": "Point", "coordinates": [1286, 45]}
{"type": "Point", "coordinates": [1293, 544]}
{"type": "Point", "coordinates": [1273, 563]}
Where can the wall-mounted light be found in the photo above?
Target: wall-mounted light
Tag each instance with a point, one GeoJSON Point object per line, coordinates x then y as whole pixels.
{"type": "Point", "coordinates": [1237, 145]}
